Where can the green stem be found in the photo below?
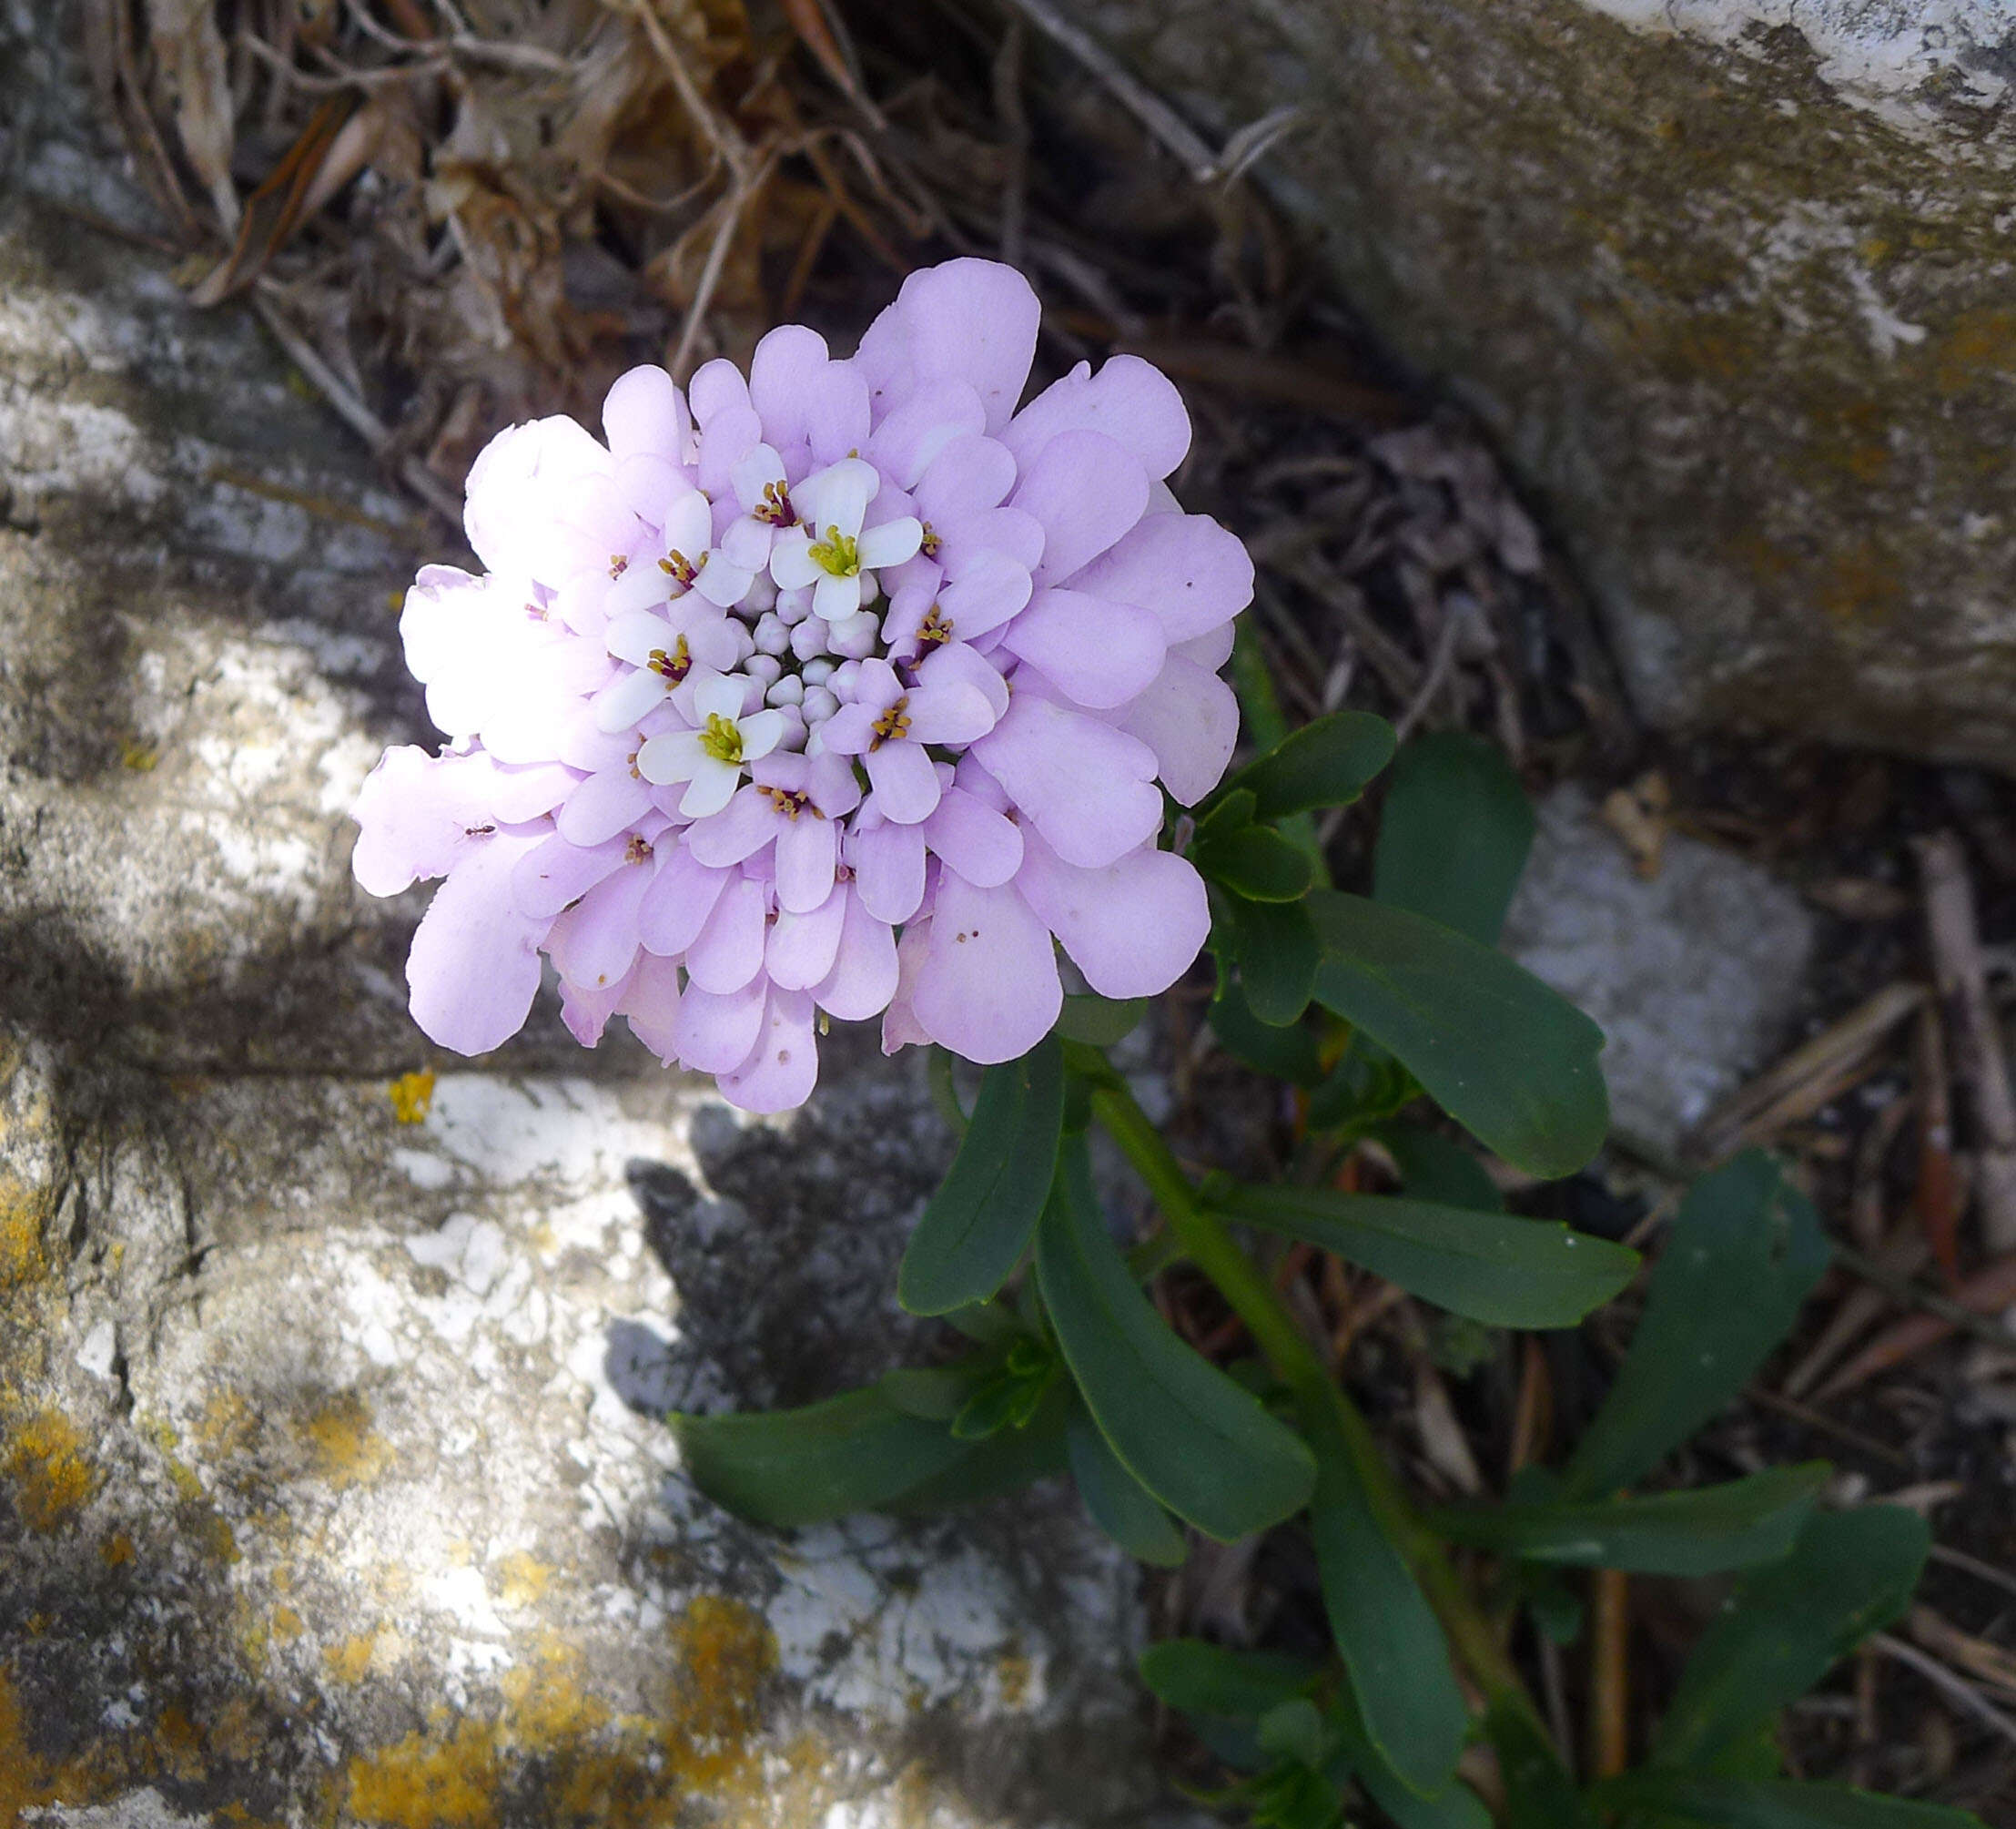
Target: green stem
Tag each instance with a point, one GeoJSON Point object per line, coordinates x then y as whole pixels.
{"type": "Point", "coordinates": [1212, 1248]}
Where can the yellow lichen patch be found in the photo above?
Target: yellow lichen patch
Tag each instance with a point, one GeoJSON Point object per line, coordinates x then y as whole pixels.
{"type": "Point", "coordinates": [412, 1096]}
{"type": "Point", "coordinates": [51, 1476]}
{"type": "Point", "coordinates": [287, 1625]}
{"type": "Point", "coordinates": [1980, 347]}
{"type": "Point", "coordinates": [525, 1578]}
{"type": "Point", "coordinates": [727, 1649]}
{"type": "Point", "coordinates": [427, 1783]}
{"type": "Point", "coordinates": [347, 1450]}
{"type": "Point", "coordinates": [139, 757]}
{"type": "Point", "coordinates": [24, 1779]}
{"type": "Point", "coordinates": [230, 1426]}
{"type": "Point", "coordinates": [116, 1551]}
{"type": "Point", "coordinates": [1015, 1671]}
{"type": "Point", "coordinates": [23, 1210]}
{"type": "Point", "coordinates": [351, 1661]}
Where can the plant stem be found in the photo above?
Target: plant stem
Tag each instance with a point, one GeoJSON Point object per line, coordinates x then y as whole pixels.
{"type": "Point", "coordinates": [1212, 1248]}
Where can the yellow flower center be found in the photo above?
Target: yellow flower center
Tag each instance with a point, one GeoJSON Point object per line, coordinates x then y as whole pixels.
{"type": "Point", "coordinates": [931, 543]}
{"type": "Point", "coordinates": [682, 569]}
{"type": "Point", "coordinates": [776, 509]}
{"type": "Point", "coordinates": [935, 627]}
{"type": "Point", "coordinates": [791, 801]}
{"type": "Point", "coordinates": [893, 723]}
{"type": "Point", "coordinates": [721, 739]}
{"type": "Point", "coordinates": [673, 666]}
{"type": "Point", "coordinates": [840, 554]}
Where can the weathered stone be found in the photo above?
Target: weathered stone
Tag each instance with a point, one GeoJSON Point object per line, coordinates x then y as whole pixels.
{"type": "Point", "coordinates": [1695, 974]}
{"type": "Point", "coordinates": [1728, 281]}
{"type": "Point", "coordinates": [333, 1486]}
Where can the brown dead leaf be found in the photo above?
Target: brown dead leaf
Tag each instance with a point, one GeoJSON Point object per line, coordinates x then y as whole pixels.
{"type": "Point", "coordinates": [1637, 814]}
{"type": "Point", "coordinates": [190, 57]}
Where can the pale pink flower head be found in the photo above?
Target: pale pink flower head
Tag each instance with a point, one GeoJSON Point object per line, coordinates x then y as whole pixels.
{"type": "Point", "coordinates": [851, 688]}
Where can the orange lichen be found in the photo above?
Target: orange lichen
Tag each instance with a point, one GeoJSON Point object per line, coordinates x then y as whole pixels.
{"type": "Point", "coordinates": [52, 1477]}
{"type": "Point", "coordinates": [116, 1551]}
{"type": "Point", "coordinates": [427, 1783]}
{"type": "Point", "coordinates": [347, 1450]}
{"type": "Point", "coordinates": [412, 1095]}
{"type": "Point", "coordinates": [351, 1661]}
{"type": "Point", "coordinates": [22, 1212]}
{"type": "Point", "coordinates": [525, 1577]}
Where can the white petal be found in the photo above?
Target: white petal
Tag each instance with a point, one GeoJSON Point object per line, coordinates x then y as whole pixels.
{"type": "Point", "coordinates": [712, 787]}
{"type": "Point", "coordinates": [641, 586]}
{"type": "Point", "coordinates": [832, 597]}
{"type": "Point", "coordinates": [750, 473]}
{"type": "Point", "coordinates": [761, 733]}
{"type": "Point", "coordinates": [633, 637]}
{"type": "Point", "coordinates": [791, 561]}
{"type": "Point", "coordinates": [717, 696]}
{"type": "Point", "coordinates": [722, 581]}
{"type": "Point", "coordinates": [837, 496]}
{"type": "Point", "coordinates": [893, 541]}
{"type": "Point", "coordinates": [689, 524]}
{"type": "Point", "coordinates": [674, 757]}
{"type": "Point", "coordinates": [630, 700]}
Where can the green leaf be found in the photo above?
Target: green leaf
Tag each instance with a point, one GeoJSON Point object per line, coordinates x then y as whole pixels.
{"type": "Point", "coordinates": [1454, 835]}
{"type": "Point", "coordinates": [1255, 862]}
{"type": "Point", "coordinates": [1117, 1502]}
{"type": "Point", "coordinates": [1436, 1168]}
{"type": "Point", "coordinates": [1100, 1022]}
{"type": "Point", "coordinates": [1294, 1730]}
{"type": "Point", "coordinates": [1850, 1574]}
{"type": "Point", "coordinates": [1199, 1443]}
{"type": "Point", "coordinates": [1507, 1272]}
{"type": "Point", "coordinates": [1388, 1636]}
{"type": "Point", "coordinates": [1004, 1462]}
{"type": "Point", "coordinates": [1702, 1532]}
{"type": "Point", "coordinates": [1455, 1806]}
{"type": "Point", "coordinates": [975, 1226]}
{"type": "Point", "coordinates": [852, 1453]}
{"type": "Point", "coordinates": [1744, 1253]}
{"type": "Point", "coordinates": [935, 1393]}
{"type": "Point", "coordinates": [1195, 1677]}
{"type": "Point", "coordinates": [1500, 1053]}
{"type": "Point", "coordinates": [1007, 1400]}
{"type": "Point", "coordinates": [1328, 763]}
{"type": "Point", "coordinates": [1284, 1053]}
{"type": "Point", "coordinates": [1276, 946]}
{"type": "Point", "coordinates": [1539, 1793]}
{"type": "Point", "coordinates": [1778, 1804]}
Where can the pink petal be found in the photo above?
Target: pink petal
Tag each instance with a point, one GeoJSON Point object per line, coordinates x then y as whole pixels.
{"type": "Point", "coordinates": [678, 903]}
{"type": "Point", "coordinates": [651, 1002]}
{"type": "Point", "coordinates": [742, 829]}
{"type": "Point", "coordinates": [1186, 568]}
{"type": "Point", "coordinates": [414, 813]}
{"type": "Point", "coordinates": [802, 947]}
{"type": "Point", "coordinates": [906, 784]}
{"type": "Point", "coordinates": [988, 988]}
{"type": "Point", "coordinates": [1097, 653]}
{"type": "Point", "coordinates": [1012, 532]}
{"type": "Point", "coordinates": [957, 662]}
{"type": "Point", "coordinates": [864, 975]}
{"type": "Point", "coordinates": [1089, 788]}
{"type": "Point", "coordinates": [1088, 492]}
{"type": "Point", "coordinates": [888, 871]}
{"type": "Point", "coordinates": [981, 845]}
{"type": "Point", "coordinates": [966, 320]}
{"type": "Point", "coordinates": [556, 872]}
{"type": "Point", "coordinates": [914, 437]}
{"type": "Point", "coordinates": [714, 1034]}
{"type": "Point", "coordinates": [944, 708]}
{"type": "Point", "coordinates": [970, 476]}
{"type": "Point", "coordinates": [985, 595]}
{"type": "Point", "coordinates": [900, 1028]}
{"type": "Point", "coordinates": [784, 1065]}
{"type": "Point", "coordinates": [594, 942]}
{"type": "Point", "coordinates": [1132, 401]}
{"type": "Point", "coordinates": [1190, 718]}
{"type": "Point", "coordinates": [645, 413]}
{"type": "Point", "coordinates": [1133, 928]}
{"type": "Point", "coordinates": [729, 952]}
{"type": "Point", "coordinates": [474, 966]}
{"type": "Point", "coordinates": [602, 806]}
{"type": "Point", "coordinates": [807, 849]}
{"type": "Point", "coordinates": [586, 1011]}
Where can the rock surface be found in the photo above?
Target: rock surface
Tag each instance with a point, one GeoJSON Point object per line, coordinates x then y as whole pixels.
{"type": "Point", "coordinates": [1728, 281]}
{"type": "Point", "coordinates": [1695, 974]}
{"type": "Point", "coordinates": [332, 1486]}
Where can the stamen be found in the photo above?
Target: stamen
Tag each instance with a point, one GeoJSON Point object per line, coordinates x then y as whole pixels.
{"type": "Point", "coordinates": [893, 724]}
{"type": "Point", "coordinates": [931, 543]}
{"type": "Point", "coordinates": [681, 569]}
{"type": "Point", "coordinates": [775, 510]}
{"type": "Point", "coordinates": [721, 739]}
{"type": "Point", "coordinates": [638, 850]}
{"type": "Point", "coordinates": [840, 554]}
{"type": "Point", "coordinates": [536, 614]}
{"type": "Point", "coordinates": [673, 666]}
{"type": "Point", "coordinates": [618, 565]}
{"type": "Point", "coordinates": [791, 802]}
{"type": "Point", "coordinates": [936, 625]}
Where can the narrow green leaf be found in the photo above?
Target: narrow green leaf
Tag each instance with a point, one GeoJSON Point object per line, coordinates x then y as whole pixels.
{"type": "Point", "coordinates": [1256, 862]}
{"type": "Point", "coordinates": [1539, 1793]}
{"type": "Point", "coordinates": [935, 1393]}
{"type": "Point", "coordinates": [1328, 763]}
{"type": "Point", "coordinates": [1004, 1462]}
{"type": "Point", "coordinates": [1265, 724]}
{"type": "Point", "coordinates": [1199, 1443]}
{"type": "Point", "coordinates": [975, 1226]}
{"type": "Point", "coordinates": [1850, 1574]}
{"type": "Point", "coordinates": [1276, 946]}
{"type": "Point", "coordinates": [1778, 1804]}
{"type": "Point", "coordinates": [1195, 1677]}
{"type": "Point", "coordinates": [1436, 1168]}
{"type": "Point", "coordinates": [1453, 834]}
{"type": "Point", "coordinates": [1702, 1532]}
{"type": "Point", "coordinates": [1100, 1022]}
{"type": "Point", "coordinates": [1287, 1051]}
{"type": "Point", "coordinates": [1504, 1055]}
{"type": "Point", "coordinates": [1455, 1806]}
{"type": "Point", "coordinates": [1117, 1502]}
{"type": "Point", "coordinates": [1507, 1272]}
{"type": "Point", "coordinates": [852, 1453]}
{"type": "Point", "coordinates": [1744, 1253]}
{"type": "Point", "coordinates": [1294, 1730]}
{"type": "Point", "coordinates": [1387, 1634]}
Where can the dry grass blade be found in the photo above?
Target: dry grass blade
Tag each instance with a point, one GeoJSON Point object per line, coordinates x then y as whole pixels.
{"type": "Point", "coordinates": [189, 51]}
{"type": "Point", "coordinates": [1988, 1664]}
{"type": "Point", "coordinates": [1988, 1292]}
{"type": "Point", "coordinates": [1955, 1687]}
{"type": "Point", "coordinates": [324, 157]}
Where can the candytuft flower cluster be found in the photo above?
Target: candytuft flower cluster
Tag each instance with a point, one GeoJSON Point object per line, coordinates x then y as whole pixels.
{"type": "Point", "coordinates": [844, 689]}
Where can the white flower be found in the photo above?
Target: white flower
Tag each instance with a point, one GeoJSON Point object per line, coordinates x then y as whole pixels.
{"type": "Point", "coordinates": [710, 759]}
{"type": "Point", "coordinates": [690, 562]}
{"type": "Point", "coordinates": [663, 652]}
{"type": "Point", "coordinates": [830, 550]}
